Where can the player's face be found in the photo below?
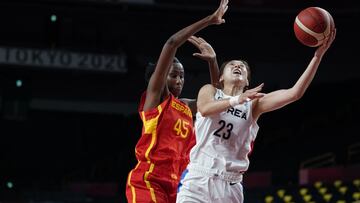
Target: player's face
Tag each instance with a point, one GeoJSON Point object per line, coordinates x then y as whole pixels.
{"type": "Point", "coordinates": [235, 71]}
{"type": "Point", "coordinates": [175, 79]}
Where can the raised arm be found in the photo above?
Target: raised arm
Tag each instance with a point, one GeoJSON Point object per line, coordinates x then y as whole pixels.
{"type": "Point", "coordinates": [208, 105]}
{"type": "Point", "coordinates": [280, 98]}
{"type": "Point", "coordinates": [157, 84]}
{"type": "Point", "coordinates": [208, 54]}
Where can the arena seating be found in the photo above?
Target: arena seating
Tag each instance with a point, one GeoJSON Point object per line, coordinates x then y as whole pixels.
{"type": "Point", "coordinates": [337, 191]}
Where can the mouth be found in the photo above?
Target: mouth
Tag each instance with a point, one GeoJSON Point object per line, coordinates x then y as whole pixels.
{"type": "Point", "coordinates": [237, 71]}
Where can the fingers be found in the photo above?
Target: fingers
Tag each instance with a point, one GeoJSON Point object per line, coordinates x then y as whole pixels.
{"type": "Point", "coordinates": [260, 86]}
{"type": "Point", "coordinates": [201, 40]}
{"type": "Point", "coordinates": [252, 96]}
{"type": "Point", "coordinates": [256, 89]}
{"type": "Point", "coordinates": [191, 40]}
{"type": "Point", "coordinates": [194, 41]}
{"type": "Point", "coordinates": [333, 34]}
{"type": "Point", "coordinates": [259, 95]}
{"type": "Point", "coordinates": [224, 3]}
{"type": "Point", "coordinates": [226, 8]}
{"type": "Point", "coordinates": [223, 7]}
{"type": "Point", "coordinates": [329, 40]}
{"type": "Point", "coordinates": [254, 93]}
{"type": "Point", "coordinates": [198, 55]}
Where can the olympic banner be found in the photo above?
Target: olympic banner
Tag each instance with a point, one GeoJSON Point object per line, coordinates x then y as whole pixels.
{"type": "Point", "coordinates": [56, 58]}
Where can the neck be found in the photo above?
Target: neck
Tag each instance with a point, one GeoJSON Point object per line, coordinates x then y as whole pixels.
{"type": "Point", "coordinates": [233, 90]}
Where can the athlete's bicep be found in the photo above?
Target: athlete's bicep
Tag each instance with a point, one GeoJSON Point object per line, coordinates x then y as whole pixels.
{"type": "Point", "coordinates": [273, 101]}
{"type": "Point", "coordinates": [205, 96]}
{"type": "Point", "coordinates": [157, 85]}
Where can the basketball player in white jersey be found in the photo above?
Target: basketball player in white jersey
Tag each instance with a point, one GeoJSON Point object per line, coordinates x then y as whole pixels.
{"type": "Point", "coordinates": [226, 127]}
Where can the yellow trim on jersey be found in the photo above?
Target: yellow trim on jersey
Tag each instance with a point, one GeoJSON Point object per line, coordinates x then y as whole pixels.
{"type": "Point", "coordinates": [131, 186]}
{"type": "Point", "coordinates": [150, 127]}
{"type": "Point", "coordinates": [148, 185]}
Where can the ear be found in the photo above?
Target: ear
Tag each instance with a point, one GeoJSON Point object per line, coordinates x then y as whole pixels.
{"type": "Point", "coordinates": [221, 79]}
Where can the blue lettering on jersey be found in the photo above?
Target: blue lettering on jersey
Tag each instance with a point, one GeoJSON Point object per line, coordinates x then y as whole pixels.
{"type": "Point", "coordinates": [237, 112]}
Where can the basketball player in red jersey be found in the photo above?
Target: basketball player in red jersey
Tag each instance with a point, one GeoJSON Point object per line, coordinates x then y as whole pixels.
{"type": "Point", "coordinates": [167, 134]}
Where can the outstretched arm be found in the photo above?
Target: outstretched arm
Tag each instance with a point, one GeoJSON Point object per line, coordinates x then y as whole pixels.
{"type": "Point", "coordinates": [208, 106]}
{"type": "Point", "coordinates": [157, 83]}
{"type": "Point", "coordinates": [280, 98]}
{"type": "Point", "coordinates": [208, 54]}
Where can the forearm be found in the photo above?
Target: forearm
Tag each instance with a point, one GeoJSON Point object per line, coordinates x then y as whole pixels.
{"type": "Point", "coordinates": [181, 36]}
{"type": "Point", "coordinates": [213, 107]}
{"type": "Point", "coordinates": [306, 78]}
{"type": "Point", "coordinates": [218, 106]}
{"type": "Point", "coordinates": [214, 73]}
{"type": "Point", "coordinates": [174, 42]}
{"type": "Point", "coordinates": [168, 52]}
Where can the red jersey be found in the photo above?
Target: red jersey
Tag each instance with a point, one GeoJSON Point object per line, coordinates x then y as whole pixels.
{"type": "Point", "coordinates": [162, 151]}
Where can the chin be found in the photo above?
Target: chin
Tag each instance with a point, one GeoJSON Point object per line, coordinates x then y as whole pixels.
{"type": "Point", "coordinates": [176, 93]}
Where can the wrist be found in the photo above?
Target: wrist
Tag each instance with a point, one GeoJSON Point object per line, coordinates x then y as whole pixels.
{"type": "Point", "coordinates": [319, 54]}
{"type": "Point", "coordinates": [212, 60]}
{"type": "Point", "coordinates": [233, 101]}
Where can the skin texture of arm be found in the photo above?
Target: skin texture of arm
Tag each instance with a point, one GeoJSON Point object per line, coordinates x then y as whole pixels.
{"type": "Point", "coordinates": [280, 98]}
{"type": "Point", "coordinates": [207, 105]}
{"type": "Point", "coordinates": [157, 88]}
{"type": "Point", "coordinates": [208, 54]}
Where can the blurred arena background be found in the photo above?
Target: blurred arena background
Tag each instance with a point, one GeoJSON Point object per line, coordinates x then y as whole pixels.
{"type": "Point", "coordinates": [72, 71]}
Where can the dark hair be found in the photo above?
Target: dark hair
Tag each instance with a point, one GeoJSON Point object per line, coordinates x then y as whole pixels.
{"type": "Point", "coordinates": [150, 68]}
{"type": "Point", "coordinates": [246, 65]}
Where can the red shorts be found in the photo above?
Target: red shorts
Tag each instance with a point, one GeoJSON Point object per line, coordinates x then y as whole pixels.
{"type": "Point", "coordinates": [148, 183]}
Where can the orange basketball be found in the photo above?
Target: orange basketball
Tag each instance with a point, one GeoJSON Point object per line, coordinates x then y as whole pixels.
{"type": "Point", "coordinates": [312, 25]}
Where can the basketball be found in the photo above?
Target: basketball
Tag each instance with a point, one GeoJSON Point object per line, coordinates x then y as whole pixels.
{"type": "Point", "coordinates": [312, 25]}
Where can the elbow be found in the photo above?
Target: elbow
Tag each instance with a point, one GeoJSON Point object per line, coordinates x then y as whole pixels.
{"type": "Point", "coordinates": [297, 96]}
{"type": "Point", "coordinates": [204, 112]}
{"type": "Point", "coordinates": [172, 42]}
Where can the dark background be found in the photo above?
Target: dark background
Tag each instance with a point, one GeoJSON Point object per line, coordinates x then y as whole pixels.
{"type": "Point", "coordinates": [74, 125]}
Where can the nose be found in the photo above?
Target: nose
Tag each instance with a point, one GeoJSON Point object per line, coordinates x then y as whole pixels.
{"type": "Point", "coordinates": [178, 80]}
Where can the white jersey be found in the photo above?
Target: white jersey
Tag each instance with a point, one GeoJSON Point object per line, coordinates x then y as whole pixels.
{"type": "Point", "coordinates": [224, 141]}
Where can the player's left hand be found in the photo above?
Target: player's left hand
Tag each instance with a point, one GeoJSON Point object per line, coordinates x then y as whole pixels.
{"type": "Point", "coordinates": [207, 53]}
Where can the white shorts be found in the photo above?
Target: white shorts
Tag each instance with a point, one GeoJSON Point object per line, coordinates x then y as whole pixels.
{"type": "Point", "coordinates": [204, 186]}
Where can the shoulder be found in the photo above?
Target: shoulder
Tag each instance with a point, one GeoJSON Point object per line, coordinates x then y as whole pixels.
{"type": "Point", "coordinates": [208, 88]}
{"type": "Point", "coordinates": [191, 103]}
{"type": "Point", "coordinates": [187, 101]}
